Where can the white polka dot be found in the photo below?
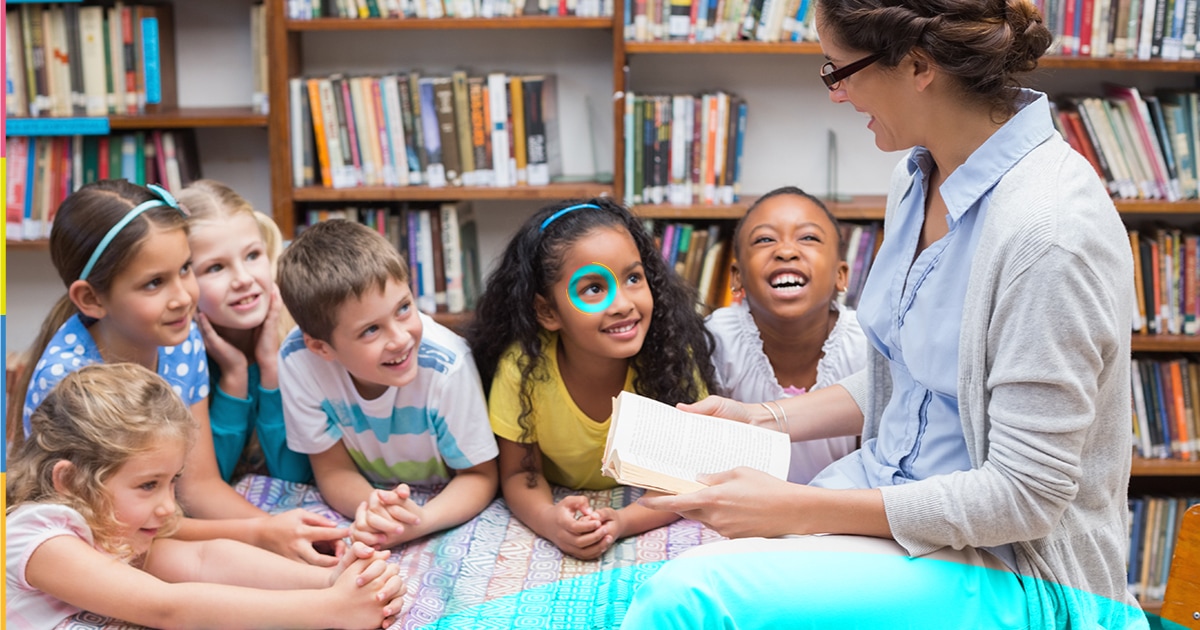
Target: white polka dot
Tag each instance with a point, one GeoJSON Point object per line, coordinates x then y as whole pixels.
{"type": "Point", "coordinates": [37, 399]}
{"type": "Point", "coordinates": [75, 363]}
{"type": "Point", "coordinates": [187, 347]}
{"type": "Point", "coordinates": [169, 350]}
{"type": "Point", "coordinates": [80, 349]}
{"type": "Point", "coordinates": [41, 364]}
{"type": "Point", "coordinates": [67, 355]}
{"type": "Point", "coordinates": [42, 384]}
{"type": "Point", "coordinates": [70, 338]}
{"type": "Point", "coordinates": [28, 411]}
{"type": "Point", "coordinates": [178, 390]}
{"type": "Point", "coordinates": [192, 393]}
{"type": "Point", "coordinates": [56, 370]}
{"type": "Point", "coordinates": [202, 366]}
{"type": "Point", "coordinates": [204, 391]}
{"type": "Point", "coordinates": [181, 369]}
{"type": "Point", "coordinates": [53, 349]}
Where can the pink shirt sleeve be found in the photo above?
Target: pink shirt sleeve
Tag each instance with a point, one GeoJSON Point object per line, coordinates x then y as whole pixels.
{"type": "Point", "coordinates": [26, 528]}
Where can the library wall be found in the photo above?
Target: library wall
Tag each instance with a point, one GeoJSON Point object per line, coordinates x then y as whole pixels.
{"type": "Point", "coordinates": [787, 130]}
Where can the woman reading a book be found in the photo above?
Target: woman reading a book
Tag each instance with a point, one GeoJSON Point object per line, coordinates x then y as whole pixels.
{"type": "Point", "coordinates": [994, 410]}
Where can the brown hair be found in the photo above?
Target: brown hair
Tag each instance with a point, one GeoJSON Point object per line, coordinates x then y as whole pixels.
{"type": "Point", "coordinates": [79, 224]}
{"type": "Point", "coordinates": [97, 418]}
{"type": "Point", "coordinates": [983, 43]}
{"type": "Point", "coordinates": [327, 264]}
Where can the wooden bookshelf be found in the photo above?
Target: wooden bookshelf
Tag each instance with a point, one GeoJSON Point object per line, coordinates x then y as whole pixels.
{"type": "Point", "coordinates": [1165, 343]}
{"type": "Point", "coordinates": [191, 118]}
{"type": "Point", "coordinates": [858, 208]}
{"type": "Point", "coordinates": [451, 193]}
{"type": "Point", "coordinates": [414, 24]}
{"type": "Point", "coordinates": [1164, 468]}
{"type": "Point", "coordinates": [40, 244]}
{"type": "Point", "coordinates": [722, 48]}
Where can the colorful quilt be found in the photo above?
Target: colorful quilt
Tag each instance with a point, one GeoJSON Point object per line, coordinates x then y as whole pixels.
{"type": "Point", "coordinates": [493, 572]}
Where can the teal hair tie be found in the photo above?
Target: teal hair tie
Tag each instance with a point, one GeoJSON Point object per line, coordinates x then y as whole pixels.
{"type": "Point", "coordinates": [550, 219]}
{"type": "Point", "coordinates": [164, 199]}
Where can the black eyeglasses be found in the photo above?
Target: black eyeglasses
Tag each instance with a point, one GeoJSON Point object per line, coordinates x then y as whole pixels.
{"type": "Point", "coordinates": [833, 76]}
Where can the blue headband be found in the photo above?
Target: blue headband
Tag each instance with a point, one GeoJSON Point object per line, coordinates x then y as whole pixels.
{"type": "Point", "coordinates": [550, 219]}
{"type": "Point", "coordinates": [165, 199]}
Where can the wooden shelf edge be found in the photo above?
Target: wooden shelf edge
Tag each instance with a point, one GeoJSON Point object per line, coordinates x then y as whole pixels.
{"type": "Point", "coordinates": [1164, 343]}
{"type": "Point", "coordinates": [1156, 206]}
{"type": "Point", "coordinates": [192, 117]}
{"type": "Point", "coordinates": [1164, 468]}
{"type": "Point", "coordinates": [1111, 63]}
{"type": "Point", "coordinates": [858, 208]}
{"type": "Point", "coordinates": [722, 48]}
{"type": "Point", "coordinates": [451, 193]}
{"type": "Point", "coordinates": [34, 245]}
{"type": "Point", "coordinates": [498, 23]}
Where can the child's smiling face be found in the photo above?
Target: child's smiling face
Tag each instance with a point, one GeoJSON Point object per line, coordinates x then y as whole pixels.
{"type": "Point", "coordinates": [233, 271]}
{"type": "Point", "coordinates": [143, 492]}
{"type": "Point", "coordinates": [613, 331]}
{"type": "Point", "coordinates": [787, 259]}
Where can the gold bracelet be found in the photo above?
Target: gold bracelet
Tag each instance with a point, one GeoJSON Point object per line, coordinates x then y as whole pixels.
{"type": "Point", "coordinates": [778, 423]}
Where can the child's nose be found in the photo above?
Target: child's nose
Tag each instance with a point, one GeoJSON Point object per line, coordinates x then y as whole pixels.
{"type": "Point", "coordinates": [397, 336]}
{"type": "Point", "coordinates": [241, 276]}
{"type": "Point", "coordinates": [181, 295]}
{"type": "Point", "coordinates": [166, 507]}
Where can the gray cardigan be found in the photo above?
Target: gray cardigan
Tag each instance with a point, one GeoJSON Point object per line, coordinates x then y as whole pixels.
{"type": "Point", "coordinates": [1044, 395]}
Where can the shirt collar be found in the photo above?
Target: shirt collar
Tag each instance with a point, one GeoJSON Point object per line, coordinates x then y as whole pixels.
{"type": "Point", "coordinates": [1028, 128]}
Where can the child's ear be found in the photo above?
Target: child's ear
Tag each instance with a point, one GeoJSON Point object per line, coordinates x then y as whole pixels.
{"type": "Point", "coordinates": [61, 475]}
{"type": "Point", "coordinates": [547, 316]}
{"type": "Point", "coordinates": [320, 348]}
{"type": "Point", "coordinates": [85, 298]}
{"type": "Point", "coordinates": [843, 276]}
{"type": "Point", "coordinates": [735, 277]}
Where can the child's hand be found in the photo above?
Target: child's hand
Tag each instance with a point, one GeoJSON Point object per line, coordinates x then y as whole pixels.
{"type": "Point", "coordinates": [387, 518]}
{"type": "Point", "coordinates": [294, 533]}
{"type": "Point", "coordinates": [577, 529]}
{"type": "Point", "coordinates": [266, 348]}
{"type": "Point", "coordinates": [368, 589]}
{"type": "Point", "coordinates": [612, 522]}
{"type": "Point", "coordinates": [234, 372]}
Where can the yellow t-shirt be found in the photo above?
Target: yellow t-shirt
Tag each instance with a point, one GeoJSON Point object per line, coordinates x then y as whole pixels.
{"type": "Point", "coordinates": [572, 444]}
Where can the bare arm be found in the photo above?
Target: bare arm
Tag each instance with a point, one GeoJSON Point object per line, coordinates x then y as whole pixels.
{"type": "Point", "coordinates": [824, 413]}
{"type": "Point", "coordinates": [69, 569]}
{"type": "Point", "coordinates": [745, 502]}
{"type": "Point", "coordinates": [584, 538]}
{"type": "Point", "coordinates": [201, 490]}
{"type": "Point", "coordinates": [341, 484]}
{"type": "Point", "coordinates": [636, 518]}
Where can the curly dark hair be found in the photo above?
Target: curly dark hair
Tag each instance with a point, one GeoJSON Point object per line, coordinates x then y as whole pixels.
{"type": "Point", "coordinates": [672, 354]}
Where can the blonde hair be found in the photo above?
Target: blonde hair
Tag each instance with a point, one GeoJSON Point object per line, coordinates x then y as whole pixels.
{"type": "Point", "coordinates": [98, 418]}
{"type": "Point", "coordinates": [208, 201]}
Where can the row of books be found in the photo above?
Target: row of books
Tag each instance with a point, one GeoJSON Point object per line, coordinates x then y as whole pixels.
{"type": "Point", "coordinates": [366, 9]}
{"type": "Point", "coordinates": [1133, 29]}
{"type": "Point", "coordinates": [860, 241]}
{"type": "Point", "coordinates": [439, 242]}
{"type": "Point", "coordinates": [1166, 280]}
{"type": "Point", "coordinates": [42, 171]}
{"type": "Point", "coordinates": [1166, 408]}
{"type": "Point", "coordinates": [719, 20]}
{"type": "Point", "coordinates": [683, 149]}
{"type": "Point", "coordinates": [408, 129]}
{"type": "Point", "coordinates": [1153, 530]}
{"type": "Point", "coordinates": [85, 60]}
{"type": "Point", "coordinates": [1143, 147]}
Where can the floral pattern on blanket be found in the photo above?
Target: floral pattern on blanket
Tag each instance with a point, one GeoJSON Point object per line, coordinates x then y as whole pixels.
{"type": "Point", "coordinates": [492, 571]}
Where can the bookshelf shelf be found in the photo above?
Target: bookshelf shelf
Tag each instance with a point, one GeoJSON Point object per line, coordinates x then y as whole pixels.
{"type": "Point", "coordinates": [722, 48]}
{"type": "Point", "coordinates": [502, 23]}
{"type": "Point", "coordinates": [1165, 343]}
{"type": "Point", "coordinates": [191, 118]}
{"type": "Point", "coordinates": [57, 126]}
{"type": "Point", "coordinates": [451, 193]}
{"type": "Point", "coordinates": [861, 208]}
{"type": "Point", "coordinates": [1157, 206]}
{"type": "Point", "coordinates": [1164, 468]}
{"type": "Point", "coordinates": [1109, 63]}
{"type": "Point", "coordinates": [37, 245]}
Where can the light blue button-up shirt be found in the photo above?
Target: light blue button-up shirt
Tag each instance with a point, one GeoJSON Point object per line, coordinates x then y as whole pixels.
{"type": "Point", "coordinates": [911, 311]}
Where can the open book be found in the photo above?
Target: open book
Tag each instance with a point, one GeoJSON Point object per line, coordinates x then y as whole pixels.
{"type": "Point", "coordinates": [658, 447]}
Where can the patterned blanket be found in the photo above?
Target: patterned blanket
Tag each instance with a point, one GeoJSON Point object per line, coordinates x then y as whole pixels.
{"type": "Point", "coordinates": [493, 572]}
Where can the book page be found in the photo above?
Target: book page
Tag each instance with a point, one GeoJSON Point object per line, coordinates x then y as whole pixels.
{"type": "Point", "coordinates": [661, 438]}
